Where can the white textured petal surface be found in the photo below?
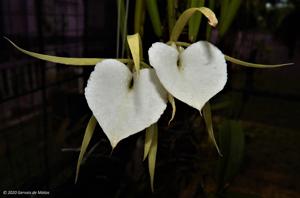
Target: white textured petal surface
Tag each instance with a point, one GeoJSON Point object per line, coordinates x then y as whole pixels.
{"type": "Point", "coordinates": [202, 71]}
{"type": "Point", "coordinates": [122, 111]}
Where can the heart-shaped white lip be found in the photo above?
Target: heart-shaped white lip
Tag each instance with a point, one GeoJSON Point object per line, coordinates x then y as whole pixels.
{"type": "Point", "coordinates": [193, 75]}
{"type": "Point", "coordinates": [121, 109]}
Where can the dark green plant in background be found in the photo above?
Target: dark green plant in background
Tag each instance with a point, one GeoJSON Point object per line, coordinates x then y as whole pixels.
{"type": "Point", "coordinates": [168, 27]}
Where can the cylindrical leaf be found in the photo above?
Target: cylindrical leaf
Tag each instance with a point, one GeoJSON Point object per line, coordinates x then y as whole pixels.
{"type": "Point", "coordinates": [154, 16]}
{"type": "Point", "coordinates": [195, 21]}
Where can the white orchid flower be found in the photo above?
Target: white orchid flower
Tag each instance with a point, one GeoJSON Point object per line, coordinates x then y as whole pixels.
{"type": "Point", "coordinates": [123, 102]}
{"type": "Point", "coordinates": [193, 75]}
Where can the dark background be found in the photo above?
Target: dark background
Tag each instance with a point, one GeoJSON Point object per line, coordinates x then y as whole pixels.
{"type": "Point", "coordinates": [44, 112]}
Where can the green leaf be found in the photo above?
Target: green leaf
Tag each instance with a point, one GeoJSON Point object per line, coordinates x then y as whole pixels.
{"type": "Point", "coordinates": [232, 143]}
{"type": "Point", "coordinates": [120, 25]}
{"type": "Point", "coordinates": [209, 126]}
{"type": "Point", "coordinates": [85, 142]}
{"type": "Point", "coordinates": [228, 13]}
{"type": "Point", "coordinates": [134, 42]}
{"type": "Point", "coordinates": [224, 8]}
{"type": "Point", "coordinates": [172, 102]}
{"type": "Point", "coordinates": [220, 105]}
{"type": "Point", "coordinates": [62, 60]}
{"type": "Point", "coordinates": [195, 21]}
{"type": "Point", "coordinates": [152, 155]}
{"type": "Point", "coordinates": [154, 16]}
{"type": "Point", "coordinates": [247, 64]}
{"type": "Point", "coordinates": [186, 15]}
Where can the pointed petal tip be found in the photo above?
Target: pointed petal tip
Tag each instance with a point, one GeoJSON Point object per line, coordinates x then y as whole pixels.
{"type": "Point", "coordinates": [113, 143]}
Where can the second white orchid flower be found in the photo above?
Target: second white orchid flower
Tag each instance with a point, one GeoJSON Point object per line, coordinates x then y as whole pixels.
{"type": "Point", "coordinates": [193, 75]}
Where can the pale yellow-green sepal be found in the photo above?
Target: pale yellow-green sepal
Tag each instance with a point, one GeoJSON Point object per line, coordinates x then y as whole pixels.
{"type": "Point", "coordinates": [209, 126]}
{"type": "Point", "coordinates": [63, 60]}
{"type": "Point", "coordinates": [240, 62]}
{"type": "Point", "coordinates": [186, 15]}
{"type": "Point", "coordinates": [148, 140]}
{"type": "Point", "coordinates": [172, 102]}
{"type": "Point", "coordinates": [85, 142]}
{"type": "Point", "coordinates": [247, 64]}
{"type": "Point", "coordinates": [134, 42]}
{"type": "Point", "coordinates": [152, 155]}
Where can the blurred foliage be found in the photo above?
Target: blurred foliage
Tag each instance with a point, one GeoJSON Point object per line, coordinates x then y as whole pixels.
{"type": "Point", "coordinates": [265, 14]}
{"type": "Point", "coordinates": [231, 141]}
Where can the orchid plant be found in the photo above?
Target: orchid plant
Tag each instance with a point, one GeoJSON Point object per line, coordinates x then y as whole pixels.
{"type": "Point", "coordinates": [127, 96]}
